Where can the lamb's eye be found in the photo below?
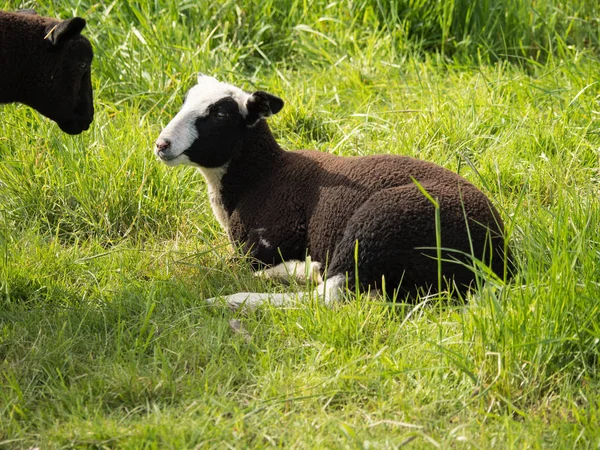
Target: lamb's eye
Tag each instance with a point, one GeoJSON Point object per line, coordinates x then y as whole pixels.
{"type": "Point", "coordinates": [221, 114]}
{"type": "Point", "coordinates": [83, 65]}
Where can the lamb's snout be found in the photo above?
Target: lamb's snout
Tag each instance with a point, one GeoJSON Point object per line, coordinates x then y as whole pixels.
{"type": "Point", "coordinates": [162, 149]}
{"type": "Point", "coordinates": [162, 144]}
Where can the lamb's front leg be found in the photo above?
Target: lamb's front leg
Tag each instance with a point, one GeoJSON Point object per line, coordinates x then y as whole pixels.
{"type": "Point", "coordinates": [329, 292]}
{"type": "Point", "coordinates": [300, 271]}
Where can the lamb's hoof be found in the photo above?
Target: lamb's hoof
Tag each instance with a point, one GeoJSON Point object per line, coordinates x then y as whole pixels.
{"type": "Point", "coordinates": [300, 271]}
{"type": "Point", "coordinates": [314, 273]}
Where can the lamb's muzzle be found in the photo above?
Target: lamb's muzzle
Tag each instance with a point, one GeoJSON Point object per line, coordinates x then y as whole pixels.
{"type": "Point", "coordinates": [358, 218]}
{"type": "Point", "coordinates": [162, 149]}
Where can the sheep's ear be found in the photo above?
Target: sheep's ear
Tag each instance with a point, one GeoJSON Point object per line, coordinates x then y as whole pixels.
{"type": "Point", "coordinates": [65, 29]}
{"type": "Point", "coordinates": [260, 105]}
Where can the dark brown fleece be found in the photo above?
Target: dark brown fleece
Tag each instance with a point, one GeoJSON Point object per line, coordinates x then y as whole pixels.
{"type": "Point", "coordinates": [285, 205]}
{"type": "Point", "coordinates": [47, 68]}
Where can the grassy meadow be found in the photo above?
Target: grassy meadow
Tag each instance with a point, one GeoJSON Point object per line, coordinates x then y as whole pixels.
{"type": "Point", "coordinates": [106, 255]}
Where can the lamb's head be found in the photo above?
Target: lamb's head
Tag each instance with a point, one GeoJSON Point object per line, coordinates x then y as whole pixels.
{"type": "Point", "coordinates": [211, 123]}
{"type": "Point", "coordinates": [64, 93]}
{"type": "Point", "coordinates": [75, 108]}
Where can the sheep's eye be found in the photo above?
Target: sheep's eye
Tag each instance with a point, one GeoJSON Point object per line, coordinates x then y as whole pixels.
{"type": "Point", "coordinates": [83, 65]}
{"type": "Point", "coordinates": [221, 114]}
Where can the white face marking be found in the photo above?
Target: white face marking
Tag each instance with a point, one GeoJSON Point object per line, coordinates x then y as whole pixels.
{"type": "Point", "coordinates": [181, 131]}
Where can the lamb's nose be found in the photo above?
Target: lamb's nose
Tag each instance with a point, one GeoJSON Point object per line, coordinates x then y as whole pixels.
{"type": "Point", "coordinates": [163, 145]}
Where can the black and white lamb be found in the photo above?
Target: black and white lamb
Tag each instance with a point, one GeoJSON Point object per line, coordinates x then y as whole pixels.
{"type": "Point", "coordinates": [45, 64]}
{"type": "Point", "coordinates": [304, 213]}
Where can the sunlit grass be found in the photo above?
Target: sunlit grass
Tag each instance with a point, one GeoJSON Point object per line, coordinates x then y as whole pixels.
{"type": "Point", "coordinates": [107, 255]}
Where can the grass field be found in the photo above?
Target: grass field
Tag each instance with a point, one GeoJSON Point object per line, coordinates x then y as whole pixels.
{"type": "Point", "coordinates": [107, 255]}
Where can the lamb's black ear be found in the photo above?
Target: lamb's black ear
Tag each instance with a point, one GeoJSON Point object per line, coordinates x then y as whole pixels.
{"type": "Point", "coordinates": [260, 105]}
{"type": "Point", "coordinates": [65, 29]}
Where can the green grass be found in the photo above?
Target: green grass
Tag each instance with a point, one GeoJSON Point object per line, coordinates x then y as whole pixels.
{"type": "Point", "coordinates": [107, 255]}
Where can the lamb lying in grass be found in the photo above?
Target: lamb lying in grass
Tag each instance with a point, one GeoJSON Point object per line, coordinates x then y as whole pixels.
{"type": "Point", "coordinates": [45, 64]}
{"type": "Point", "coordinates": [368, 220]}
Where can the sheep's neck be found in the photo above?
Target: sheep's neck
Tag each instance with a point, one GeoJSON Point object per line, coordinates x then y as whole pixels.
{"type": "Point", "coordinates": [19, 36]}
{"type": "Point", "coordinates": [259, 156]}
{"type": "Point", "coordinates": [213, 177]}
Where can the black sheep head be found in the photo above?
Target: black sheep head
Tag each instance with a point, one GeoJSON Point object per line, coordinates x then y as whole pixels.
{"type": "Point", "coordinates": [51, 69]}
{"type": "Point", "coordinates": [71, 103]}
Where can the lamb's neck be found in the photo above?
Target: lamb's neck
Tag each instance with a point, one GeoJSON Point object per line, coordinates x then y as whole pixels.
{"type": "Point", "coordinates": [259, 155]}
{"type": "Point", "coordinates": [213, 177]}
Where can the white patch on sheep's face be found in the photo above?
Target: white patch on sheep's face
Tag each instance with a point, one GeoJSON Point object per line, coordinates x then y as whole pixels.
{"type": "Point", "coordinates": [182, 133]}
